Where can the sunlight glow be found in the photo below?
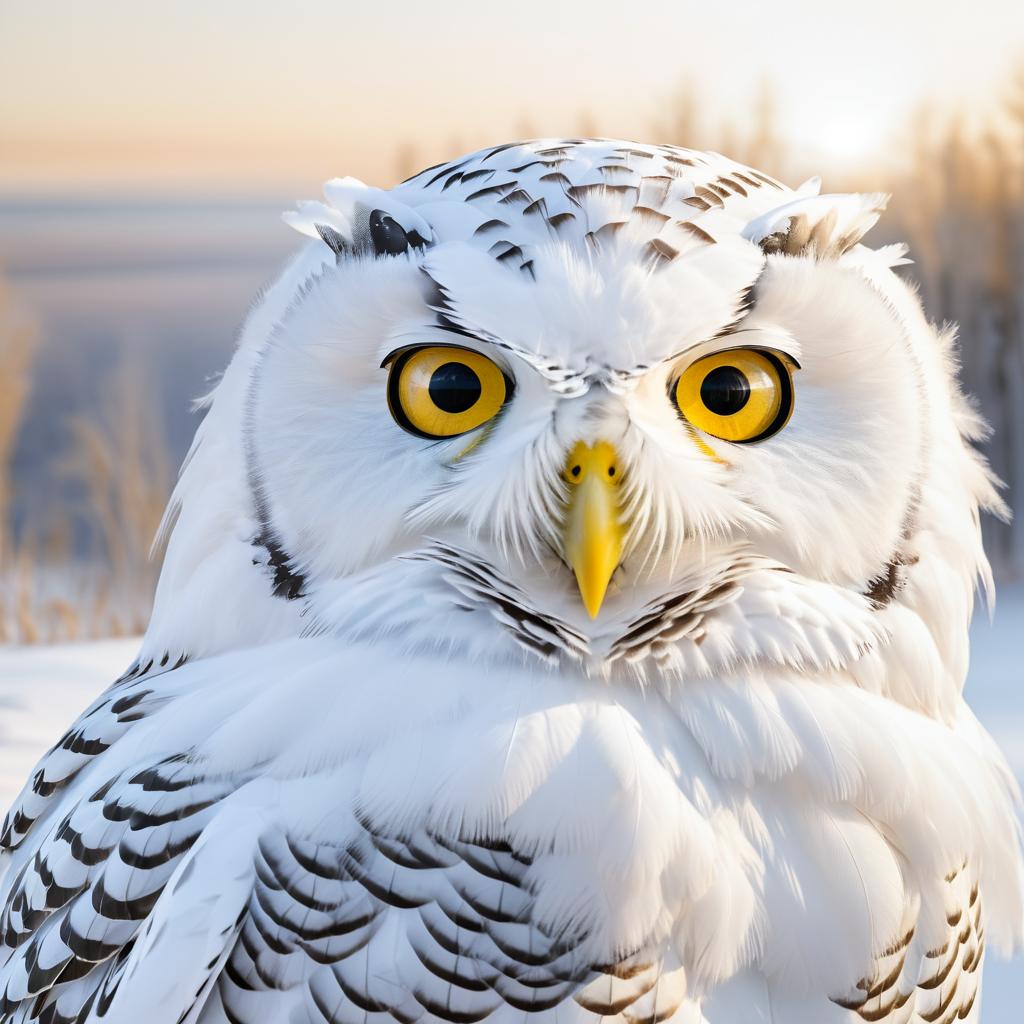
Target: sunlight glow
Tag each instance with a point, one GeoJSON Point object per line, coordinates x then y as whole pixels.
{"type": "Point", "coordinates": [843, 140]}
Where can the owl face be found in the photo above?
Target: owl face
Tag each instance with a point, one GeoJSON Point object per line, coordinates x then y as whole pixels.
{"type": "Point", "coordinates": [591, 404]}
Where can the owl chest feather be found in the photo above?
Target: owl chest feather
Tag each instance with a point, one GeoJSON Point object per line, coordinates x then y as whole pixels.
{"type": "Point", "coordinates": [443, 839]}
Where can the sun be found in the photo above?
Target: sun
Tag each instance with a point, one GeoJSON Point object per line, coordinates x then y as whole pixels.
{"type": "Point", "coordinates": [837, 136]}
{"type": "Point", "coordinates": [849, 138]}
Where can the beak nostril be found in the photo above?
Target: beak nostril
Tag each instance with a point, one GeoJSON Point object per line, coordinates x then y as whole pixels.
{"type": "Point", "coordinates": [611, 471]}
{"type": "Point", "coordinates": [575, 471]}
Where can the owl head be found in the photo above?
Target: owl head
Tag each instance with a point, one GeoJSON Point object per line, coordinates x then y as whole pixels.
{"type": "Point", "coordinates": [568, 401]}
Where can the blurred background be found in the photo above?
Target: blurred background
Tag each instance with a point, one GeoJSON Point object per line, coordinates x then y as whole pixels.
{"type": "Point", "coordinates": [147, 150]}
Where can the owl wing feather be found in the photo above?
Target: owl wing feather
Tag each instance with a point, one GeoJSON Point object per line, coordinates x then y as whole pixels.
{"type": "Point", "coordinates": [917, 979]}
{"type": "Point", "coordinates": [164, 889]}
{"type": "Point", "coordinates": [129, 699]}
{"type": "Point", "coordinates": [913, 981]}
{"type": "Point", "coordinates": [143, 887]}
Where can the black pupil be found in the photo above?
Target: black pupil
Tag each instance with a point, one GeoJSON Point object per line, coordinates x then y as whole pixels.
{"type": "Point", "coordinates": [725, 390]}
{"type": "Point", "coordinates": [454, 387]}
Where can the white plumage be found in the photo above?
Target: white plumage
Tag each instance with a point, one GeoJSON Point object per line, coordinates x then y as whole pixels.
{"type": "Point", "coordinates": [376, 762]}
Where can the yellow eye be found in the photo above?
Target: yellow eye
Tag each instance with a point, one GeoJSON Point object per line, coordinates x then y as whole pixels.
{"type": "Point", "coordinates": [438, 391]}
{"type": "Point", "coordinates": [741, 395]}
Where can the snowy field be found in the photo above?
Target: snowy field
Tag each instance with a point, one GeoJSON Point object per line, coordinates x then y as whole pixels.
{"type": "Point", "coordinates": [62, 680]}
{"type": "Point", "coordinates": [995, 689]}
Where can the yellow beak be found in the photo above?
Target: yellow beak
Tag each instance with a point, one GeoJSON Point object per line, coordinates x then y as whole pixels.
{"type": "Point", "coordinates": [593, 520]}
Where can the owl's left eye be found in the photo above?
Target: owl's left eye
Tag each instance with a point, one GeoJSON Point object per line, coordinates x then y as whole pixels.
{"type": "Point", "coordinates": [739, 395]}
{"type": "Point", "coordinates": [442, 391]}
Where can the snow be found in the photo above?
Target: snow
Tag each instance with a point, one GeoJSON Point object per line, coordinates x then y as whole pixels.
{"type": "Point", "coordinates": [64, 679]}
{"type": "Point", "coordinates": [42, 690]}
{"type": "Point", "coordinates": [995, 689]}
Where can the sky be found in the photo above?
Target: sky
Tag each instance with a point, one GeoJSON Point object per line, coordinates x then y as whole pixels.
{"type": "Point", "coordinates": [145, 95]}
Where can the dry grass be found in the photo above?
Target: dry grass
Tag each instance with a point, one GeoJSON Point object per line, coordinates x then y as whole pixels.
{"type": "Point", "coordinates": [55, 585]}
{"type": "Point", "coordinates": [18, 338]}
{"type": "Point", "coordinates": [123, 467]}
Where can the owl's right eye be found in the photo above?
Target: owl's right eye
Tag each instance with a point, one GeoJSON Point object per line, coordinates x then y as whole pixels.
{"type": "Point", "coordinates": [740, 395]}
{"type": "Point", "coordinates": [442, 391]}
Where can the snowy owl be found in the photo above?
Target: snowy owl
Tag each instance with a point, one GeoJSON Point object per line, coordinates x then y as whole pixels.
{"type": "Point", "coordinates": [564, 617]}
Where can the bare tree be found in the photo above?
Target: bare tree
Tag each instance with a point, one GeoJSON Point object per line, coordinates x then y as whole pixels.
{"type": "Point", "coordinates": [962, 204]}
